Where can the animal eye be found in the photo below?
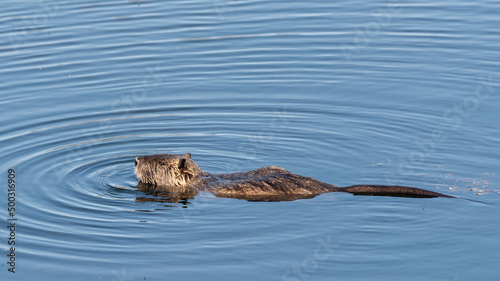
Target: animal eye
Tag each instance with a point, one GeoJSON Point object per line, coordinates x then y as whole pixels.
{"type": "Point", "coordinates": [163, 163]}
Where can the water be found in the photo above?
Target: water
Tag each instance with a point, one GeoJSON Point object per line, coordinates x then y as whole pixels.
{"type": "Point", "coordinates": [353, 92]}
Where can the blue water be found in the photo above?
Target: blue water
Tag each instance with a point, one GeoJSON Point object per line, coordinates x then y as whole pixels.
{"type": "Point", "coordinates": [352, 92]}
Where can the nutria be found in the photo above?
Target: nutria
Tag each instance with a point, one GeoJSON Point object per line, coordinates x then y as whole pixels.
{"type": "Point", "coordinates": [180, 174]}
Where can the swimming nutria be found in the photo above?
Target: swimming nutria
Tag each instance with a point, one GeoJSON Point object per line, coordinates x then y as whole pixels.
{"type": "Point", "coordinates": [181, 174]}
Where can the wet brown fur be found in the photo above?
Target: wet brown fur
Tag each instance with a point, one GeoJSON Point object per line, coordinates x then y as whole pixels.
{"type": "Point", "coordinates": [180, 173]}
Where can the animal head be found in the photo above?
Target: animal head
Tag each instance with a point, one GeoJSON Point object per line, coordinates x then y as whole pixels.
{"type": "Point", "coordinates": [166, 169]}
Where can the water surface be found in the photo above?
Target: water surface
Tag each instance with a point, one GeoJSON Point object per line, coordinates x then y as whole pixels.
{"type": "Point", "coordinates": [352, 92]}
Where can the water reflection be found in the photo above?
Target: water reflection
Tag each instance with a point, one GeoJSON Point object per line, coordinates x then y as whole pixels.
{"type": "Point", "coordinates": [166, 194]}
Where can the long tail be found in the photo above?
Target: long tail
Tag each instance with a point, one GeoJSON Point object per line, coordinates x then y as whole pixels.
{"type": "Point", "coordinates": [395, 191]}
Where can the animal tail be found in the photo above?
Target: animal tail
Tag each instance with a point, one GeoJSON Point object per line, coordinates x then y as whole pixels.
{"type": "Point", "coordinates": [392, 190]}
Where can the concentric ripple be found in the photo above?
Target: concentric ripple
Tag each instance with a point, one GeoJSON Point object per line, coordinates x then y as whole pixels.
{"type": "Point", "coordinates": [347, 93]}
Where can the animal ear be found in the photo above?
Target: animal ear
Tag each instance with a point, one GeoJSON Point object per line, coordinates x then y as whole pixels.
{"type": "Point", "coordinates": [182, 164]}
{"type": "Point", "coordinates": [188, 155]}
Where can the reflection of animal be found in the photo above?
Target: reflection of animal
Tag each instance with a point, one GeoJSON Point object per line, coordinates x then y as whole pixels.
{"type": "Point", "coordinates": [179, 173]}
